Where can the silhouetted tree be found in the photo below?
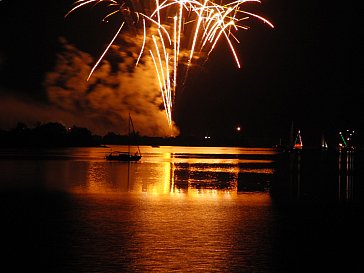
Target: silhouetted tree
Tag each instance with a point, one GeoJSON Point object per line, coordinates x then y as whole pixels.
{"type": "Point", "coordinates": [50, 134]}
{"type": "Point", "coordinates": [78, 136]}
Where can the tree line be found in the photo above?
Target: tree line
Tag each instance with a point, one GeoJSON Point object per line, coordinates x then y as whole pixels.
{"type": "Point", "coordinates": [55, 134]}
{"type": "Point", "coordinates": [51, 134]}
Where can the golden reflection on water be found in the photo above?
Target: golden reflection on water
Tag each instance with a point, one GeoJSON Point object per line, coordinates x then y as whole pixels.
{"type": "Point", "coordinates": [192, 170]}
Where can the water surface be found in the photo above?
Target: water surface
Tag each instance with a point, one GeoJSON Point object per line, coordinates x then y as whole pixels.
{"type": "Point", "coordinates": [181, 209]}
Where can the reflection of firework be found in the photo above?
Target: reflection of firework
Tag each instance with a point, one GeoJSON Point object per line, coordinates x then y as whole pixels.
{"type": "Point", "coordinates": [177, 32]}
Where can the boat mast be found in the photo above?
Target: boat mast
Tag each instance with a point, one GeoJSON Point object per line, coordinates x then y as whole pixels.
{"type": "Point", "coordinates": [129, 134]}
{"type": "Point", "coordinates": [299, 135]}
{"type": "Point", "coordinates": [132, 125]}
{"type": "Point", "coordinates": [343, 140]}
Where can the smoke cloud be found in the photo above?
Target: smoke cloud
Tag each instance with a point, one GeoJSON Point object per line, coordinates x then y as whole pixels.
{"type": "Point", "coordinates": [116, 88]}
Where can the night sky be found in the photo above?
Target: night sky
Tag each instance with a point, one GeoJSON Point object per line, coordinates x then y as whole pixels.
{"type": "Point", "coordinates": [307, 70]}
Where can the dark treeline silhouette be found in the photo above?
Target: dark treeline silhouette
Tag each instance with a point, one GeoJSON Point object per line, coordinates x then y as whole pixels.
{"type": "Point", "coordinates": [54, 134]}
{"type": "Point", "coordinates": [51, 134]}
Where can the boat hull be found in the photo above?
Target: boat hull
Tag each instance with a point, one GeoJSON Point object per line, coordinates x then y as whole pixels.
{"type": "Point", "coordinates": [123, 157]}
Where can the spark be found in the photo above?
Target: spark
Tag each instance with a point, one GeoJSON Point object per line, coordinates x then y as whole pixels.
{"type": "Point", "coordinates": [205, 21]}
{"type": "Point", "coordinates": [105, 51]}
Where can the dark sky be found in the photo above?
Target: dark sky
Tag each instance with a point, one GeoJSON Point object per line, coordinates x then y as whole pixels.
{"type": "Point", "coordinates": [308, 69]}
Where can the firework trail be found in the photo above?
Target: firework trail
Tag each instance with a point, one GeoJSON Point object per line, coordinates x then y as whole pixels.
{"type": "Point", "coordinates": [176, 33]}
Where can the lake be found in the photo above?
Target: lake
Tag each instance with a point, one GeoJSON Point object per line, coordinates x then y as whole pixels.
{"type": "Point", "coordinates": [181, 209]}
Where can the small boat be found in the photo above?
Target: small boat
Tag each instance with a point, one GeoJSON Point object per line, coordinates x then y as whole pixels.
{"type": "Point", "coordinates": [126, 156]}
{"type": "Point", "coordinates": [298, 142]}
{"type": "Point", "coordinates": [123, 156]}
{"type": "Point", "coordinates": [323, 142]}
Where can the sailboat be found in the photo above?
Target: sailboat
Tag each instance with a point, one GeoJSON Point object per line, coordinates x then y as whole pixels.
{"type": "Point", "coordinates": [297, 145]}
{"type": "Point", "coordinates": [126, 156]}
{"type": "Point", "coordinates": [346, 144]}
{"type": "Point", "coordinates": [323, 142]}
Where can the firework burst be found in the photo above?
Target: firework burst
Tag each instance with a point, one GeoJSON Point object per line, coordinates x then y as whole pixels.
{"type": "Point", "coordinates": [176, 33]}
